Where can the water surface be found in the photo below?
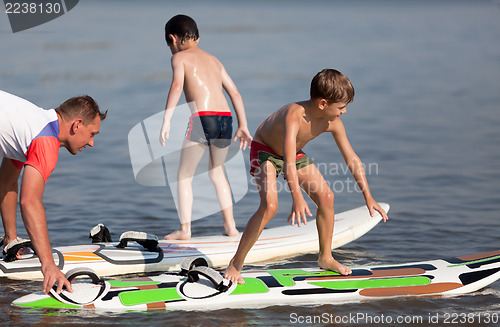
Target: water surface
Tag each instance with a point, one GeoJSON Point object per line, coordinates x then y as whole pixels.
{"type": "Point", "coordinates": [425, 119]}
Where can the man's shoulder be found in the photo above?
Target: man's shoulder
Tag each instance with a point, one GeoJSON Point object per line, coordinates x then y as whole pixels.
{"type": "Point", "coordinates": [13, 102]}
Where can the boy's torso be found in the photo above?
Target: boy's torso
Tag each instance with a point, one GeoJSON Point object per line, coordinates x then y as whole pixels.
{"type": "Point", "coordinates": [271, 131]}
{"type": "Point", "coordinates": [203, 81]}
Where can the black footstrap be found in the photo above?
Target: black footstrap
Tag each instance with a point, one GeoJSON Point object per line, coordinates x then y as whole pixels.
{"type": "Point", "coordinates": [189, 263]}
{"type": "Point", "coordinates": [100, 233]}
{"type": "Point", "coordinates": [212, 275]}
{"type": "Point", "coordinates": [78, 297]}
{"type": "Point", "coordinates": [11, 252]}
{"type": "Point", "coordinates": [148, 241]}
{"type": "Point", "coordinates": [76, 272]}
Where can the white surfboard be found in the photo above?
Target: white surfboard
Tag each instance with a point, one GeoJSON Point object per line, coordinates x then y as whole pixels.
{"type": "Point", "coordinates": [201, 288]}
{"type": "Point", "coordinates": [279, 242]}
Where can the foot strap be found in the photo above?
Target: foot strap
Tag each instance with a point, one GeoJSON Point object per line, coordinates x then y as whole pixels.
{"type": "Point", "coordinates": [83, 293]}
{"type": "Point", "coordinates": [100, 233]}
{"type": "Point", "coordinates": [220, 284]}
{"type": "Point", "coordinates": [11, 249]}
{"type": "Point", "coordinates": [148, 241]}
{"type": "Point", "coordinates": [190, 262]}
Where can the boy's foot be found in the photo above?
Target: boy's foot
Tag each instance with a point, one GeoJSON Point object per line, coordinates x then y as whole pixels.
{"type": "Point", "coordinates": [178, 235]}
{"type": "Point", "coordinates": [233, 274]}
{"type": "Point", "coordinates": [231, 232]}
{"type": "Point", "coordinates": [334, 265]}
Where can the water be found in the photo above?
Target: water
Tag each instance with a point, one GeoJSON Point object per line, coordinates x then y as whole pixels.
{"type": "Point", "coordinates": [424, 119]}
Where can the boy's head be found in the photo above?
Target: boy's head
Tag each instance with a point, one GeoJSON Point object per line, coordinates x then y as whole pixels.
{"type": "Point", "coordinates": [182, 26]}
{"type": "Point", "coordinates": [333, 86]}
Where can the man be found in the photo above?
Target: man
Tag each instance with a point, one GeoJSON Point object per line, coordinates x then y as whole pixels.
{"type": "Point", "coordinates": [30, 138]}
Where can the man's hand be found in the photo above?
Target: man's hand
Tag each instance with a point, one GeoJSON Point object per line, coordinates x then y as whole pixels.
{"type": "Point", "coordinates": [52, 275]}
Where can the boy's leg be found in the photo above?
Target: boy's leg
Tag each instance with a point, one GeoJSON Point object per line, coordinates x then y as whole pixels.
{"type": "Point", "coordinates": [191, 154]}
{"type": "Point", "coordinates": [218, 177]}
{"type": "Point", "coordinates": [265, 179]}
{"type": "Point", "coordinates": [313, 183]}
{"type": "Point", "coordinates": [9, 176]}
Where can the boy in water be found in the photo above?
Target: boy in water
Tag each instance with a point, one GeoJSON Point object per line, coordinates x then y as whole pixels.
{"type": "Point", "coordinates": [276, 149]}
{"type": "Point", "coordinates": [202, 78]}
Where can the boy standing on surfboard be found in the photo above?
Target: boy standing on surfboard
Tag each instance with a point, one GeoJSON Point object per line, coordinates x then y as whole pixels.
{"type": "Point", "coordinates": [202, 78]}
{"type": "Point", "coordinates": [276, 149]}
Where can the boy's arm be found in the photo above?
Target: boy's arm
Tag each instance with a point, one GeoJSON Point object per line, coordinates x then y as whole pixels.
{"type": "Point", "coordinates": [356, 167]}
{"type": "Point", "coordinates": [299, 206]}
{"type": "Point", "coordinates": [237, 101]}
{"type": "Point", "coordinates": [174, 95]}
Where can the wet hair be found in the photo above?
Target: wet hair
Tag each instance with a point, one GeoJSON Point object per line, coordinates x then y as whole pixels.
{"type": "Point", "coordinates": [183, 27]}
{"type": "Point", "coordinates": [83, 107]}
{"type": "Point", "coordinates": [333, 86]}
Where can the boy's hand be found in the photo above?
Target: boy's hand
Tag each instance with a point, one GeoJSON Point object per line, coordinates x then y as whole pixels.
{"type": "Point", "coordinates": [164, 133]}
{"type": "Point", "coordinates": [245, 137]}
{"type": "Point", "coordinates": [373, 205]}
{"type": "Point", "coordinates": [299, 210]}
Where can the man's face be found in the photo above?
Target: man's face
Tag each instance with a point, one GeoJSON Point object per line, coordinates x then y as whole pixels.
{"type": "Point", "coordinates": [83, 135]}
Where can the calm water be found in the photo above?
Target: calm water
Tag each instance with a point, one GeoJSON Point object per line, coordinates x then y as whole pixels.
{"type": "Point", "coordinates": [424, 120]}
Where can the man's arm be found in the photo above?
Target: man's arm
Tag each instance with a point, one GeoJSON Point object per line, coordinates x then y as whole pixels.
{"type": "Point", "coordinates": [9, 174]}
{"type": "Point", "coordinates": [174, 95]}
{"type": "Point", "coordinates": [237, 101]}
{"type": "Point", "coordinates": [33, 213]}
{"type": "Point", "coordinates": [355, 166]}
{"type": "Point", "coordinates": [299, 206]}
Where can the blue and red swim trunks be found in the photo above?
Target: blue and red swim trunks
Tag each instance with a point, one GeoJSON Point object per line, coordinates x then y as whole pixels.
{"type": "Point", "coordinates": [211, 128]}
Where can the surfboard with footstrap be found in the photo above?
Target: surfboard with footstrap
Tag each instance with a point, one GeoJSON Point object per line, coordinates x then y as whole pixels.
{"type": "Point", "coordinates": [141, 252]}
{"type": "Point", "coordinates": [197, 287]}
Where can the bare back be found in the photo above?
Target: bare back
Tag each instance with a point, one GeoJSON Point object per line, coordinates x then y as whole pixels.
{"type": "Point", "coordinates": [203, 80]}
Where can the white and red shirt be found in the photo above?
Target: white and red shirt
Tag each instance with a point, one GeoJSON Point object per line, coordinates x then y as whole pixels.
{"type": "Point", "coordinates": [28, 134]}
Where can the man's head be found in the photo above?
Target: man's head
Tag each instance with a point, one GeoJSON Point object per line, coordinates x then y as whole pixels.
{"type": "Point", "coordinates": [80, 121]}
{"type": "Point", "coordinates": [183, 27]}
{"type": "Point", "coordinates": [333, 86]}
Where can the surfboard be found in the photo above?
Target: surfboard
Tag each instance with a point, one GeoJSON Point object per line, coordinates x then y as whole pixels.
{"type": "Point", "coordinates": [202, 288]}
{"type": "Point", "coordinates": [106, 259]}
